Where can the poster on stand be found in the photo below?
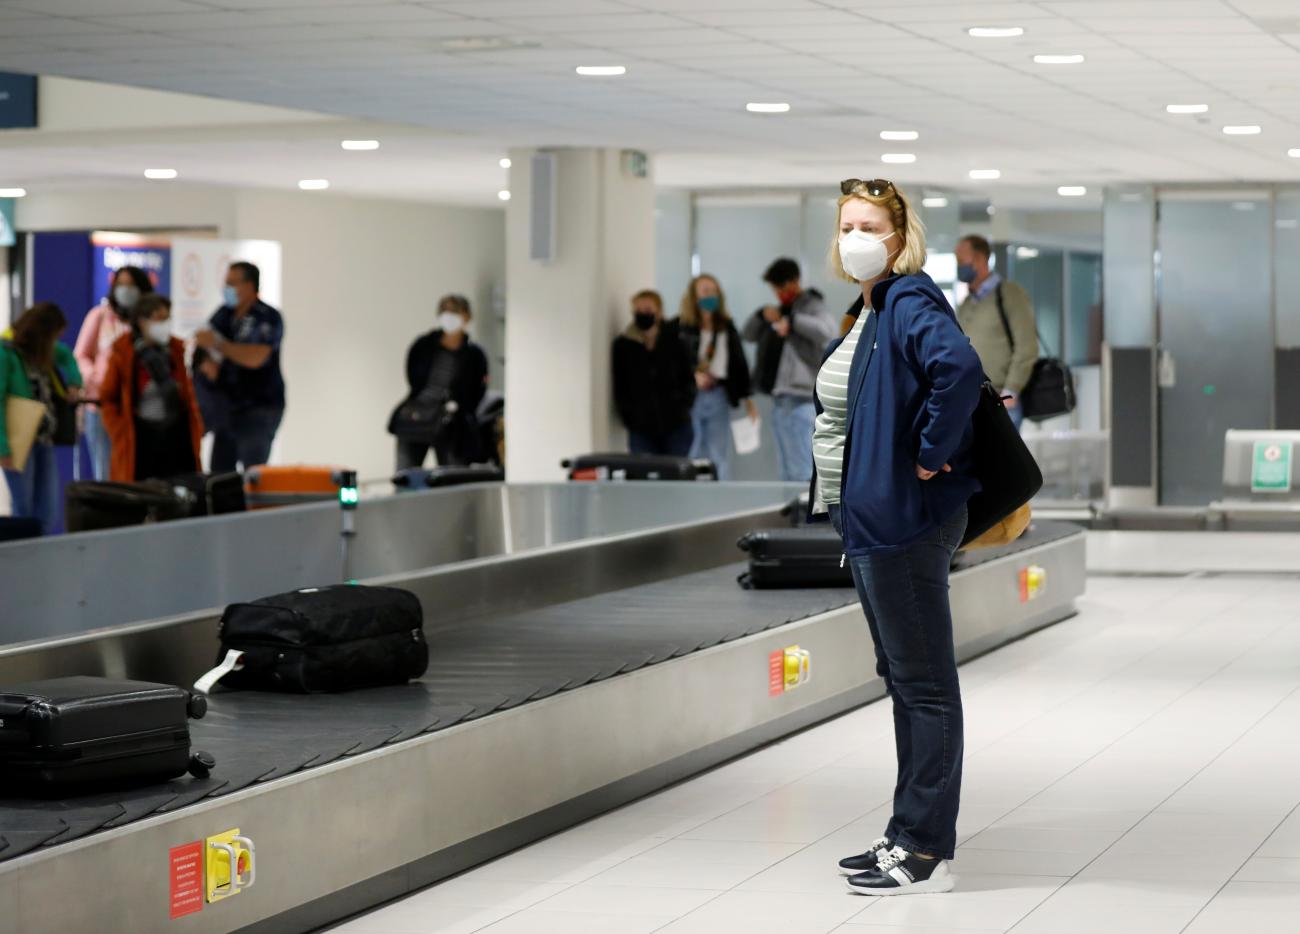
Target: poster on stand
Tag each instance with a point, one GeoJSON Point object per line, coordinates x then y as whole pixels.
{"type": "Point", "coordinates": [199, 269]}
{"type": "Point", "coordinates": [111, 250]}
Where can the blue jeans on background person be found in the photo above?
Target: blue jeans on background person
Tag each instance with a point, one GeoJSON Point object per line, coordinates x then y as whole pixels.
{"type": "Point", "coordinates": [904, 593]}
{"type": "Point", "coordinates": [246, 439]}
{"type": "Point", "coordinates": [676, 443]}
{"type": "Point", "coordinates": [35, 490]}
{"type": "Point", "coordinates": [98, 444]}
{"type": "Point", "coordinates": [792, 423]}
{"type": "Point", "coordinates": [711, 421]}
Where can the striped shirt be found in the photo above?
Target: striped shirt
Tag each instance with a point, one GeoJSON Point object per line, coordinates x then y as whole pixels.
{"type": "Point", "coordinates": [831, 426]}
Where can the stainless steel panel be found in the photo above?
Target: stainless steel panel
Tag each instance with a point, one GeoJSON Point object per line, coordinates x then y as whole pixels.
{"type": "Point", "coordinates": [326, 829]}
{"type": "Point", "coordinates": [1216, 322]}
{"type": "Point", "coordinates": [69, 584]}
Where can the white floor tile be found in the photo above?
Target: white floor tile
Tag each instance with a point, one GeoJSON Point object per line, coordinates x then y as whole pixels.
{"type": "Point", "coordinates": [1270, 869]}
{"type": "Point", "coordinates": [1117, 906]}
{"type": "Point", "coordinates": [769, 913]}
{"type": "Point", "coordinates": [1250, 906]}
{"type": "Point", "coordinates": [642, 900]}
{"type": "Point", "coordinates": [538, 921]}
{"type": "Point", "coordinates": [1018, 862]}
{"type": "Point", "coordinates": [979, 901]}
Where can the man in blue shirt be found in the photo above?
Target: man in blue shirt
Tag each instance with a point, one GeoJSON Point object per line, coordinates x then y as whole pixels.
{"type": "Point", "coordinates": [243, 344]}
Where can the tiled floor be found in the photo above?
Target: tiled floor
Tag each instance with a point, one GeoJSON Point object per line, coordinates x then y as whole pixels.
{"type": "Point", "coordinates": [1135, 769]}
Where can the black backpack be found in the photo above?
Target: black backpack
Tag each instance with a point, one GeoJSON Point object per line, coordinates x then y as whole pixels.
{"type": "Point", "coordinates": [1050, 390]}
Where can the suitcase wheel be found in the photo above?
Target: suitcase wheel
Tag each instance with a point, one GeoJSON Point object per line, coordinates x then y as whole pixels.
{"type": "Point", "coordinates": [197, 706]}
{"type": "Point", "coordinates": [201, 764]}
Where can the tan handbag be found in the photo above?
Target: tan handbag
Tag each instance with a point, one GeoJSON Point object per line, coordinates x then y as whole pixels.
{"type": "Point", "coordinates": [23, 418]}
{"type": "Point", "coordinates": [1005, 532]}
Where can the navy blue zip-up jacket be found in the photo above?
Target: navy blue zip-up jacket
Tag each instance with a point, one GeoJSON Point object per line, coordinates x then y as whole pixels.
{"type": "Point", "coordinates": [913, 386]}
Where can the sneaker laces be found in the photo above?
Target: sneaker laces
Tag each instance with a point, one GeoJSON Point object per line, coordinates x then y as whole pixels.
{"type": "Point", "coordinates": [879, 844]}
{"type": "Point", "coordinates": [891, 859]}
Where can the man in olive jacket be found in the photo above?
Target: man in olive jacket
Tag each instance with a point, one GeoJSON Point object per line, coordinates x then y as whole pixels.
{"type": "Point", "coordinates": [1008, 361]}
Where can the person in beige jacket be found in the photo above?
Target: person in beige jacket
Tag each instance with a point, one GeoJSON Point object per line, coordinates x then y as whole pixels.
{"type": "Point", "coordinates": [1008, 363]}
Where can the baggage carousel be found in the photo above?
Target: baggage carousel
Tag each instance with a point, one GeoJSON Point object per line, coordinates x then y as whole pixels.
{"type": "Point", "coordinates": [563, 681]}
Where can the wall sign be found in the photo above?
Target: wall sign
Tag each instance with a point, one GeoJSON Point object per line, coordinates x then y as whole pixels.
{"type": "Point", "coordinates": [1271, 470]}
{"type": "Point", "coordinates": [17, 101]}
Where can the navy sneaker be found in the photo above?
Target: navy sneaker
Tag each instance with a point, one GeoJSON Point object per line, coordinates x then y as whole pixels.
{"type": "Point", "coordinates": [899, 872]}
{"type": "Point", "coordinates": [852, 865]}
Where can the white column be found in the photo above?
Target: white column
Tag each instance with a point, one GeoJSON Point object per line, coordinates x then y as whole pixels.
{"type": "Point", "coordinates": [562, 316]}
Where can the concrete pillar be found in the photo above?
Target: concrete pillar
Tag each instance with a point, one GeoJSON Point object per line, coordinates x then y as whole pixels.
{"type": "Point", "coordinates": [562, 315]}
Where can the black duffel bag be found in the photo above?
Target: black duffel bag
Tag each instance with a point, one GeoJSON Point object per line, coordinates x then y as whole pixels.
{"type": "Point", "coordinates": [1050, 390]}
{"type": "Point", "coordinates": [322, 639]}
{"type": "Point", "coordinates": [1008, 474]}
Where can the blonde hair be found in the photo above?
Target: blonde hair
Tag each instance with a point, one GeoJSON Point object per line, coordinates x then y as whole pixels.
{"type": "Point", "coordinates": [689, 310]}
{"type": "Point", "coordinates": [911, 259]}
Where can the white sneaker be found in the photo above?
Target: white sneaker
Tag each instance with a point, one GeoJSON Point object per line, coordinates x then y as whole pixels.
{"type": "Point", "coordinates": [899, 872]}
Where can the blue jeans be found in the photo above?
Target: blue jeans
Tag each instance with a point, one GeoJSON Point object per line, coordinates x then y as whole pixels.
{"type": "Point", "coordinates": [792, 423]}
{"type": "Point", "coordinates": [98, 443]}
{"type": "Point", "coordinates": [711, 420]}
{"type": "Point", "coordinates": [36, 489]}
{"type": "Point", "coordinates": [245, 439]}
{"type": "Point", "coordinates": [676, 442]}
{"type": "Point", "coordinates": [905, 596]}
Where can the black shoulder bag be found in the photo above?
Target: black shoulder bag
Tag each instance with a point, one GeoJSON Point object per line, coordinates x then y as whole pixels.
{"type": "Point", "coordinates": [1050, 390]}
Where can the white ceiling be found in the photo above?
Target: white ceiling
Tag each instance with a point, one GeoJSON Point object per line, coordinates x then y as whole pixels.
{"type": "Point", "coordinates": [849, 68]}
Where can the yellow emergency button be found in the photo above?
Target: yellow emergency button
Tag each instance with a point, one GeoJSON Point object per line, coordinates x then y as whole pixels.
{"type": "Point", "coordinates": [798, 667]}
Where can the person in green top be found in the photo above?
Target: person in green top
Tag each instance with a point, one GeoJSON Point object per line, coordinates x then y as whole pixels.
{"type": "Point", "coordinates": [34, 365]}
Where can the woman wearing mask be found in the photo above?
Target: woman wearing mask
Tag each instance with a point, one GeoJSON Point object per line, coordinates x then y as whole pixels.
{"type": "Point", "coordinates": [447, 375]}
{"type": "Point", "coordinates": [653, 382]}
{"type": "Point", "coordinates": [104, 324]}
{"type": "Point", "coordinates": [148, 401]}
{"type": "Point", "coordinates": [892, 452]}
{"type": "Point", "coordinates": [713, 348]}
{"type": "Point", "coordinates": [34, 365]}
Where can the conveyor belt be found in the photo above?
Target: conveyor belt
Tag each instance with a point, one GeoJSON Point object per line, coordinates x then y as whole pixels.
{"type": "Point", "coordinates": [476, 669]}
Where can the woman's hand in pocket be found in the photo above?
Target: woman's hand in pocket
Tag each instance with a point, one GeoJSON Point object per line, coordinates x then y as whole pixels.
{"type": "Point", "coordinates": [924, 474]}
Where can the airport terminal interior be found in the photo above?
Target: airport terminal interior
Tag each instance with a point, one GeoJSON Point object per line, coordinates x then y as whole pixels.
{"type": "Point", "coordinates": [630, 466]}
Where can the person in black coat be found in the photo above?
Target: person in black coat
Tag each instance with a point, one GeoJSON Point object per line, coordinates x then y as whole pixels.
{"type": "Point", "coordinates": [654, 386]}
{"type": "Point", "coordinates": [447, 374]}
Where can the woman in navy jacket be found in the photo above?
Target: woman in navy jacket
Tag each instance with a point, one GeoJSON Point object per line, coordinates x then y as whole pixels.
{"type": "Point", "coordinates": [892, 449]}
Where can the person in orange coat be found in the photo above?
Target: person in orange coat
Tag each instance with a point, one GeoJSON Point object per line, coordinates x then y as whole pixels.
{"type": "Point", "coordinates": [147, 399]}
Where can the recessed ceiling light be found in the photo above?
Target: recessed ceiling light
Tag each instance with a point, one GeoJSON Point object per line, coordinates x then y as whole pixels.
{"type": "Point", "coordinates": [360, 145]}
{"type": "Point", "coordinates": [934, 202]}
{"type": "Point", "coordinates": [13, 192]}
{"type": "Point", "coordinates": [505, 163]}
{"type": "Point", "coordinates": [160, 173]}
{"type": "Point", "coordinates": [602, 71]}
{"type": "Point", "coordinates": [903, 136]}
{"type": "Point", "coordinates": [1072, 191]}
{"type": "Point", "coordinates": [1058, 59]}
{"type": "Point", "coordinates": [1243, 130]}
{"type": "Point", "coordinates": [1293, 153]}
{"type": "Point", "coordinates": [985, 174]}
{"type": "Point", "coordinates": [1187, 108]}
{"type": "Point", "coordinates": [996, 32]}
{"type": "Point", "coordinates": [898, 158]}
{"type": "Point", "coordinates": [770, 108]}
{"type": "Point", "coordinates": [503, 195]}
{"type": "Point", "coordinates": [314, 184]}
{"type": "Point", "coordinates": [1026, 252]}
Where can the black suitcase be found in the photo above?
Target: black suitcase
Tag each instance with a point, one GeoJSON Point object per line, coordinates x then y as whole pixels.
{"type": "Point", "coordinates": [15, 528]}
{"type": "Point", "coordinates": [213, 494]}
{"type": "Point", "coordinates": [90, 505]}
{"type": "Point", "coordinates": [638, 467]}
{"type": "Point", "coordinates": [812, 556]}
{"type": "Point", "coordinates": [83, 731]}
{"type": "Point", "coordinates": [420, 478]}
{"type": "Point", "coordinates": [325, 639]}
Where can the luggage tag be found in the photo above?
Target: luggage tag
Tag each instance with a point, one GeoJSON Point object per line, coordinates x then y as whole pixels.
{"type": "Point", "coordinates": [234, 661]}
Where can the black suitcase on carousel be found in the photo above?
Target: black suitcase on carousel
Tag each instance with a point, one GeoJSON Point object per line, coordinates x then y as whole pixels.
{"type": "Point", "coordinates": [322, 639]}
{"type": "Point", "coordinates": [423, 478]}
{"type": "Point", "coordinates": [17, 528]}
{"type": "Point", "coordinates": [638, 467]}
{"type": "Point", "coordinates": [84, 732]}
{"type": "Point", "coordinates": [810, 556]}
{"type": "Point", "coordinates": [91, 505]}
{"type": "Point", "coordinates": [214, 494]}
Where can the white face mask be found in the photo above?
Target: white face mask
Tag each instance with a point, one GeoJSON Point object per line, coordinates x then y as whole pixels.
{"type": "Point", "coordinates": [126, 296]}
{"type": "Point", "coordinates": [451, 323]}
{"type": "Point", "coordinates": [159, 332]}
{"type": "Point", "coordinates": [863, 256]}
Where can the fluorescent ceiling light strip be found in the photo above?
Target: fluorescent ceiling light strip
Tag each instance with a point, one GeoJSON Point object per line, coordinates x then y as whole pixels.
{"type": "Point", "coordinates": [934, 202]}
{"type": "Point", "coordinates": [1187, 108]}
{"type": "Point", "coordinates": [1058, 59]}
{"type": "Point", "coordinates": [160, 173]}
{"type": "Point", "coordinates": [1243, 130]}
{"type": "Point", "coordinates": [1072, 191]}
{"type": "Point", "coordinates": [601, 71]}
{"type": "Point", "coordinates": [899, 158]}
{"type": "Point", "coordinates": [758, 107]}
{"type": "Point", "coordinates": [900, 135]}
{"type": "Point", "coordinates": [503, 195]}
{"type": "Point", "coordinates": [13, 192]}
{"type": "Point", "coordinates": [985, 174]}
{"type": "Point", "coordinates": [995, 32]}
{"type": "Point", "coordinates": [360, 145]}
{"type": "Point", "coordinates": [314, 184]}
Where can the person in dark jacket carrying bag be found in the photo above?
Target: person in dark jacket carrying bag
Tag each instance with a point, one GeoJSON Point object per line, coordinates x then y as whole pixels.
{"type": "Point", "coordinates": [892, 449]}
{"type": "Point", "coordinates": [653, 384]}
{"type": "Point", "coordinates": [714, 351]}
{"type": "Point", "coordinates": [447, 374]}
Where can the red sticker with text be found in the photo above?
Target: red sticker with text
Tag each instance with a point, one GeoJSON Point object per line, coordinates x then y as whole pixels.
{"type": "Point", "coordinates": [776, 673]}
{"type": "Point", "coordinates": [186, 874]}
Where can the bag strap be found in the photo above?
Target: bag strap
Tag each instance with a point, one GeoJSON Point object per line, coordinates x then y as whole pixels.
{"type": "Point", "coordinates": [1002, 313]}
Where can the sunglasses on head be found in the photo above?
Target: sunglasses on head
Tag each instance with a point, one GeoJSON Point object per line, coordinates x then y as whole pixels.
{"type": "Point", "coordinates": [876, 187]}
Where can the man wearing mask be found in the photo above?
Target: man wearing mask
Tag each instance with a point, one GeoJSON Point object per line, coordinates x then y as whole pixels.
{"type": "Point", "coordinates": [242, 342]}
{"type": "Point", "coordinates": [998, 317]}
{"type": "Point", "coordinates": [654, 385]}
{"type": "Point", "coordinates": [792, 337]}
{"type": "Point", "coordinates": [447, 377]}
